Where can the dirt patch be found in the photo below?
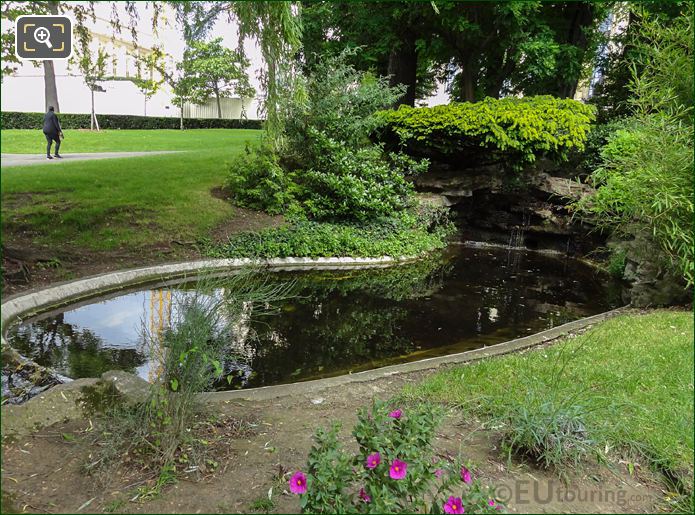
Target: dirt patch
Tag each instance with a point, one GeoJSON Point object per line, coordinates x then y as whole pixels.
{"type": "Point", "coordinates": [221, 193]}
{"type": "Point", "coordinates": [44, 473]}
{"type": "Point", "coordinates": [11, 201]}
{"type": "Point", "coordinates": [242, 220]}
{"type": "Point", "coordinates": [27, 265]}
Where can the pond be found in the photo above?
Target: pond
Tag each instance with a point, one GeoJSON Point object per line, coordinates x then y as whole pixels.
{"type": "Point", "coordinates": [339, 321]}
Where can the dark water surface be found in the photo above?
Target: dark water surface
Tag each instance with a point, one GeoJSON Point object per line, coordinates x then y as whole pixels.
{"type": "Point", "coordinates": [341, 321]}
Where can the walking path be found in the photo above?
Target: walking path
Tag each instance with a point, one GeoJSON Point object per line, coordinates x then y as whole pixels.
{"type": "Point", "coordinates": [7, 160]}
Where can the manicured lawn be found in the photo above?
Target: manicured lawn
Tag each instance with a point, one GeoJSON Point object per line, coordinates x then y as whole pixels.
{"type": "Point", "coordinates": [18, 141]}
{"type": "Point", "coordinates": [120, 203]}
{"type": "Point", "coordinates": [635, 372]}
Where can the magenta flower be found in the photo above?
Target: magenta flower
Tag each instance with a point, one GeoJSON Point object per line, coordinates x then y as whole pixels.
{"type": "Point", "coordinates": [298, 483]}
{"type": "Point", "coordinates": [466, 475]}
{"type": "Point", "coordinates": [373, 460]}
{"type": "Point", "coordinates": [398, 469]}
{"type": "Point", "coordinates": [491, 503]}
{"type": "Point", "coordinates": [396, 414]}
{"type": "Point", "coordinates": [438, 473]}
{"type": "Point", "coordinates": [454, 505]}
{"type": "Point", "coordinates": [365, 496]}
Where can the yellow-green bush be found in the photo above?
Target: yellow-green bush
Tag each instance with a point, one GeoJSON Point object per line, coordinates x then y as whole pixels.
{"type": "Point", "coordinates": [511, 130]}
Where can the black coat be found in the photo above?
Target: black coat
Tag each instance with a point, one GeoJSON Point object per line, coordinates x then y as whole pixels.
{"type": "Point", "coordinates": [51, 125]}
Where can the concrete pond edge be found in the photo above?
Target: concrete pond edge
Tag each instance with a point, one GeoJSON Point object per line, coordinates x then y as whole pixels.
{"type": "Point", "coordinates": [60, 402]}
{"type": "Point", "coordinates": [518, 344]}
{"type": "Point", "coordinates": [18, 307]}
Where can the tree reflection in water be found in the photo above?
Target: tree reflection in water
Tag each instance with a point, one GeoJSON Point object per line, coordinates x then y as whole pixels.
{"type": "Point", "coordinates": [351, 320]}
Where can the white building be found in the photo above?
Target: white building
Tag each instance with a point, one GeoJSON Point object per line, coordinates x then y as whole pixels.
{"type": "Point", "coordinates": [24, 90]}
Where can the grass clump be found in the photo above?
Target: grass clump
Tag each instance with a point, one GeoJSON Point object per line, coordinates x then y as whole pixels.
{"type": "Point", "coordinates": [549, 431]}
{"type": "Point", "coordinates": [169, 432]}
{"type": "Point", "coordinates": [626, 385]}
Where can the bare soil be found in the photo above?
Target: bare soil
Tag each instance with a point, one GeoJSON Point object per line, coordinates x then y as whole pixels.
{"type": "Point", "coordinates": [44, 473]}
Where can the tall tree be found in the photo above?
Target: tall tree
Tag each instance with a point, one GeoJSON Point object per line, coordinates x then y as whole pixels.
{"type": "Point", "coordinates": [392, 37]}
{"type": "Point", "coordinates": [81, 13]}
{"type": "Point", "coordinates": [481, 48]}
{"type": "Point", "coordinates": [216, 71]}
{"type": "Point", "coordinates": [150, 85]}
{"type": "Point", "coordinates": [92, 66]}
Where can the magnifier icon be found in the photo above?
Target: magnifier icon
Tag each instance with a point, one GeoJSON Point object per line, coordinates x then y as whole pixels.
{"type": "Point", "coordinates": [43, 35]}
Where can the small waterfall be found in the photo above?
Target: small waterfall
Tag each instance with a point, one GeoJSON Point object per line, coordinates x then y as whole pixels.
{"type": "Point", "coordinates": [517, 237]}
{"type": "Point", "coordinates": [518, 232]}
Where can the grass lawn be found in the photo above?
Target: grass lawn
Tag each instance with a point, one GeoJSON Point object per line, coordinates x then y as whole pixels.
{"type": "Point", "coordinates": [21, 141]}
{"type": "Point", "coordinates": [633, 372]}
{"type": "Point", "coordinates": [119, 203]}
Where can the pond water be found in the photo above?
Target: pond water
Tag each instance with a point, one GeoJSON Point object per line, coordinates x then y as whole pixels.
{"type": "Point", "coordinates": [338, 321]}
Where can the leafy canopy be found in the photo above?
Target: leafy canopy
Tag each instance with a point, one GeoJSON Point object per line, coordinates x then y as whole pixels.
{"type": "Point", "coordinates": [214, 70]}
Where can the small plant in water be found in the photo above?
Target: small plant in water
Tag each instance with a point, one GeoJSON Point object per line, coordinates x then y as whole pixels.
{"type": "Point", "coordinates": [395, 469]}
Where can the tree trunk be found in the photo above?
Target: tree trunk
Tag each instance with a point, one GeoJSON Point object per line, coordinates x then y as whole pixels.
{"type": "Point", "coordinates": [91, 121]}
{"type": "Point", "coordinates": [181, 111]}
{"type": "Point", "coordinates": [581, 15]}
{"type": "Point", "coordinates": [145, 106]}
{"type": "Point", "coordinates": [49, 76]}
{"type": "Point", "coordinates": [219, 107]}
{"type": "Point", "coordinates": [402, 68]}
{"type": "Point", "coordinates": [50, 89]}
{"type": "Point", "coordinates": [466, 84]}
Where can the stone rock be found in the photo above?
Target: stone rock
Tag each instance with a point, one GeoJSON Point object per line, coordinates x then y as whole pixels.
{"type": "Point", "coordinates": [58, 404]}
{"type": "Point", "coordinates": [560, 187]}
{"type": "Point", "coordinates": [651, 283]}
{"type": "Point", "coordinates": [132, 387]}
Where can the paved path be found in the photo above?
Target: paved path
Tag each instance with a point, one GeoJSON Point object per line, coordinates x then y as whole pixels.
{"type": "Point", "coordinates": [7, 160]}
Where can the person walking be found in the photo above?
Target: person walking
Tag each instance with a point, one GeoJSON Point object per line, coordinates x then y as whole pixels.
{"type": "Point", "coordinates": [52, 131]}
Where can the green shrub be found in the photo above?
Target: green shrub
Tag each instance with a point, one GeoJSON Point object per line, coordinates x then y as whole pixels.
{"type": "Point", "coordinates": [257, 180]}
{"type": "Point", "coordinates": [599, 136]}
{"type": "Point", "coordinates": [395, 238]}
{"type": "Point", "coordinates": [328, 169]}
{"type": "Point", "coordinates": [645, 179]}
{"type": "Point", "coordinates": [646, 184]}
{"type": "Point", "coordinates": [16, 120]}
{"type": "Point", "coordinates": [395, 469]}
{"type": "Point", "coordinates": [616, 263]}
{"type": "Point", "coordinates": [355, 185]}
{"type": "Point", "coordinates": [512, 130]}
{"type": "Point", "coordinates": [339, 102]}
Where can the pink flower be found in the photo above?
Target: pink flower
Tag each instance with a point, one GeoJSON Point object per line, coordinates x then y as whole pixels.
{"type": "Point", "coordinates": [365, 496]}
{"type": "Point", "coordinates": [373, 460]}
{"type": "Point", "coordinates": [438, 473]}
{"type": "Point", "coordinates": [396, 414]}
{"type": "Point", "coordinates": [298, 483]}
{"type": "Point", "coordinates": [491, 503]}
{"type": "Point", "coordinates": [398, 469]}
{"type": "Point", "coordinates": [466, 475]}
{"type": "Point", "coordinates": [454, 505]}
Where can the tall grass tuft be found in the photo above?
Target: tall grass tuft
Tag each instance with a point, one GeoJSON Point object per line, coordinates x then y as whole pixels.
{"type": "Point", "coordinates": [158, 434]}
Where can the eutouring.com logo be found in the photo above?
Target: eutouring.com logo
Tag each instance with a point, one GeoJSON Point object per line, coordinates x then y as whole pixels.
{"type": "Point", "coordinates": [526, 491]}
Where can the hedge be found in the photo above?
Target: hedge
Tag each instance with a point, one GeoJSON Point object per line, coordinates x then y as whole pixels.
{"type": "Point", "coordinates": [15, 120]}
{"type": "Point", "coordinates": [512, 130]}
